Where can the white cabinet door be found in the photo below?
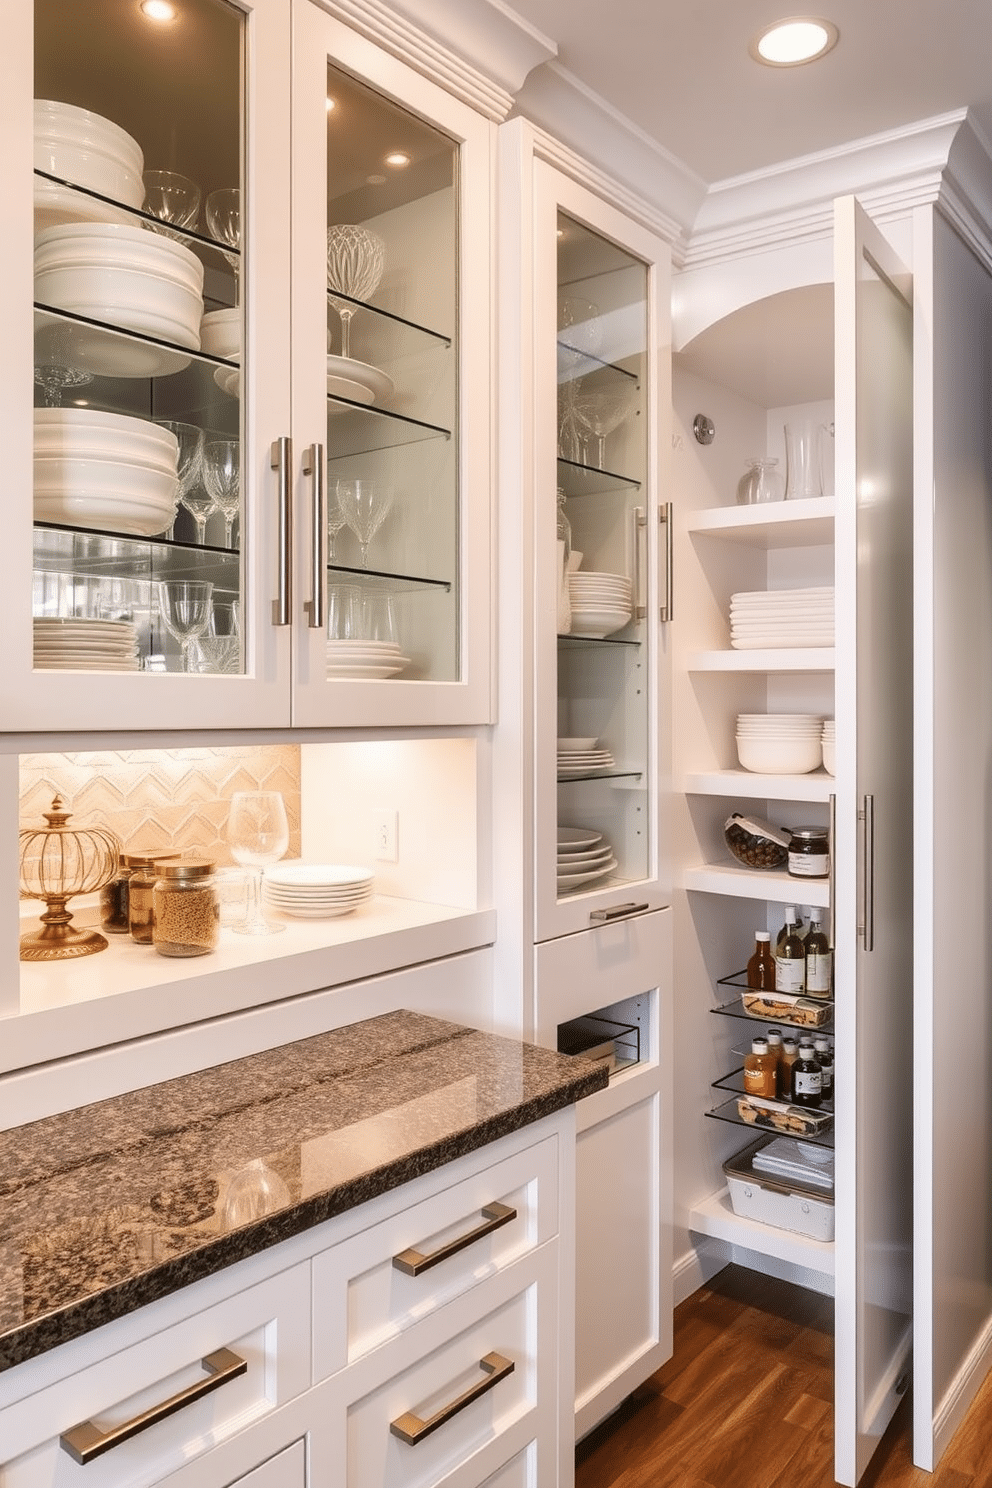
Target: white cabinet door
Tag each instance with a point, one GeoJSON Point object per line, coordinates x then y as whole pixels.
{"type": "Point", "coordinates": [874, 833]}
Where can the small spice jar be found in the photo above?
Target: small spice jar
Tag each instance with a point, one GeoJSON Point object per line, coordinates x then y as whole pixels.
{"type": "Point", "coordinates": [143, 873]}
{"type": "Point", "coordinates": [185, 913]}
{"type": "Point", "coordinates": [114, 896]}
{"type": "Point", "coordinates": [809, 852]}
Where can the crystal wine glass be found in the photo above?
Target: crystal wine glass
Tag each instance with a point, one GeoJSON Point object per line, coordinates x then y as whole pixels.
{"type": "Point", "coordinates": [190, 461]}
{"type": "Point", "coordinates": [171, 198]}
{"type": "Point", "coordinates": [222, 478]}
{"type": "Point", "coordinates": [185, 608]}
{"type": "Point", "coordinates": [336, 521]}
{"type": "Point", "coordinates": [356, 257]}
{"type": "Point", "coordinates": [53, 370]}
{"type": "Point", "coordinates": [257, 834]}
{"type": "Point", "coordinates": [602, 410]}
{"type": "Point", "coordinates": [223, 213]}
{"type": "Point", "coordinates": [365, 504]}
{"type": "Point", "coordinates": [580, 336]}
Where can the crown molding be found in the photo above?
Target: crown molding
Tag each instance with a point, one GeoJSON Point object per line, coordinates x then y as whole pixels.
{"type": "Point", "coordinates": [965, 197]}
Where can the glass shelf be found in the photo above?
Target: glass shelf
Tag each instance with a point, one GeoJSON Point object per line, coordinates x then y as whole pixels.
{"type": "Point", "coordinates": [93, 554]}
{"type": "Point", "coordinates": [398, 324]}
{"type": "Point", "coordinates": [588, 480]}
{"type": "Point", "coordinates": [189, 235]}
{"type": "Point", "coordinates": [358, 429]}
{"type": "Point", "coordinates": [600, 775]}
{"type": "Point", "coordinates": [582, 363]}
{"type": "Point", "coordinates": [570, 642]}
{"type": "Point", "coordinates": [728, 1112]}
{"type": "Point", "coordinates": [379, 578]}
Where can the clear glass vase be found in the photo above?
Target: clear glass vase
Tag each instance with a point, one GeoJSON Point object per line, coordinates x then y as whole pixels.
{"type": "Point", "coordinates": [762, 481]}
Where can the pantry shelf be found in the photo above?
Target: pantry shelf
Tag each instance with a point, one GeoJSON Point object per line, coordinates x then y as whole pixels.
{"type": "Point", "coordinates": [714, 1216]}
{"type": "Point", "coordinates": [816, 786]}
{"type": "Point", "coordinates": [793, 524]}
{"type": "Point", "coordinates": [787, 659]}
{"type": "Point", "coordinates": [769, 886]}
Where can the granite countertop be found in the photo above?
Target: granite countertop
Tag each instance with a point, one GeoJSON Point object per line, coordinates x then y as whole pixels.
{"type": "Point", "coordinates": [116, 1204]}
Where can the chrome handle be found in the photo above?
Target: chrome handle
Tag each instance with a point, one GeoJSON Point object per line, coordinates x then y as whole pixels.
{"type": "Point", "coordinates": [280, 460]}
{"type": "Point", "coordinates": [412, 1262]}
{"type": "Point", "coordinates": [867, 815]}
{"type": "Point", "coordinates": [313, 466]}
{"type": "Point", "coordinates": [832, 872]}
{"type": "Point", "coordinates": [617, 912]}
{"type": "Point", "coordinates": [640, 609]}
{"type": "Point", "coordinates": [410, 1428]}
{"type": "Point", "coordinates": [86, 1441]}
{"type": "Point", "coordinates": [666, 611]}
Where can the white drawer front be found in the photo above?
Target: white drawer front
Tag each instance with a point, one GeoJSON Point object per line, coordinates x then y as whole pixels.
{"type": "Point", "coordinates": [363, 1296]}
{"type": "Point", "coordinates": [519, 1472]}
{"type": "Point", "coordinates": [268, 1326]}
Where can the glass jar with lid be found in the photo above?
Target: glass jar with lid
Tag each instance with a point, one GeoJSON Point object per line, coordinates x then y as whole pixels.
{"type": "Point", "coordinates": [185, 911]}
{"type": "Point", "coordinates": [809, 852]}
{"type": "Point", "coordinates": [115, 896]}
{"type": "Point", "coordinates": [143, 873]}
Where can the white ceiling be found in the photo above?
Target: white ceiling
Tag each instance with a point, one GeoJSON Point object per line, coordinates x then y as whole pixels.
{"type": "Point", "coordinates": [680, 71]}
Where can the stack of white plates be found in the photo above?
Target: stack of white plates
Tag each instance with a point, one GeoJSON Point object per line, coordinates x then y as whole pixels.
{"type": "Point", "coordinates": [580, 756]}
{"type": "Point", "coordinates": [124, 277]}
{"type": "Point", "coordinates": [601, 602]}
{"type": "Point", "coordinates": [92, 151]}
{"type": "Point", "coordinates": [104, 470]}
{"type": "Point", "coordinates": [774, 618]}
{"type": "Point", "coordinates": [360, 658]}
{"type": "Point", "coordinates": [828, 743]}
{"type": "Point", "coordinates": [85, 646]}
{"type": "Point", "coordinates": [583, 857]}
{"type": "Point", "coordinates": [779, 743]}
{"type": "Point", "coordinates": [316, 891]}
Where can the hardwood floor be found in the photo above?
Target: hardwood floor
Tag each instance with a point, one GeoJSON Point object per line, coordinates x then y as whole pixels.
{"type": "Point", "coordinates": [746, 1401]}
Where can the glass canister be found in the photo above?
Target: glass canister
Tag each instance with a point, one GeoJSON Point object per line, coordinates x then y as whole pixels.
{"type": "Point", "coordinates": [760, 482]}
{"type": "Point", "coordinates": [143, 873]}
{"type": "Point", "coordinates": [115, 896]}
{"type": "Point", "coordinates": [185, 911]}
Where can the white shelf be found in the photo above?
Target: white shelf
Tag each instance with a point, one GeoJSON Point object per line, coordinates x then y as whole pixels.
{"type": "Point", "coordinates": [781, 524]}
{"type": "Point", "coordinates": [745, 883]}
{"type": "Point", "coordinates": [786, 659]}
{"type": "Point", "coordinates": [816, 786]}
{"type": "Point", "coordinates": [715, 1216]}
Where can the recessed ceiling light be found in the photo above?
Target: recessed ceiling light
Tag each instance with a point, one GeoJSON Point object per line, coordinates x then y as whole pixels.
{"type": "Point", "coordinates": [397, 159]}
{"type": "Point", "coordinates": [793, 41]}
{"type": "Point", "coordinates": [158, 10]}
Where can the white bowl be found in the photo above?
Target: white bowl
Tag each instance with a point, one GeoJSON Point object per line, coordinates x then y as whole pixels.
{"type": "Point", "coordinates": [779, 756]}
{"type": "Point", "coordinates": [78, 145]}
{"type": "Point", "coordinates": [58, 476]}
{"type": "Point", "coordinates": [829, 756]}
{"type": "Point", "coordinates": [117, 245]}
{"type": "Point", "coordinates": [128, 298]}
{"type": "Point", "coordinates": [78, 432]}
{"type": "Point", "coordinates": [220, 333]}
{"type": "Point", "coordinates": [57, 122]}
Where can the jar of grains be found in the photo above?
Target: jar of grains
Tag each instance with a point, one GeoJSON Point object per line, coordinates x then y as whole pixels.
{"type": "Point", "coordinates": [142, 871]}
{"type": "Point", "coordinates": [185, 913]}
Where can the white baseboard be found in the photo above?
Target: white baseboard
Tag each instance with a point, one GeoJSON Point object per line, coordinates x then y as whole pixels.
{"type": "Point", "coordinates": [696, 1266]}
{"type": "Point", "coordinates": [954, 1405]}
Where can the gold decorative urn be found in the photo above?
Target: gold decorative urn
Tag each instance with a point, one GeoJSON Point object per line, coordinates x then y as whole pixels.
{"type": "Point", "coordinates": [56, 862]}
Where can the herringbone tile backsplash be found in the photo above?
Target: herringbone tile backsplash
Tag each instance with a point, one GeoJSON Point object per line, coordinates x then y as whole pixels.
{"type": "Point", "coordinates": [161, 797]}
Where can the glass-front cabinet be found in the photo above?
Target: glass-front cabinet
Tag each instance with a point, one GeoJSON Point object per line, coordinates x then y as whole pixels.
{"type": "Point", "coordinates": [259, 479]}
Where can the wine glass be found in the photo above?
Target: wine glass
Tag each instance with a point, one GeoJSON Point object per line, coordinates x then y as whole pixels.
{"type": "Point", "coordinates": [185, 608]}
{"type": "Point", "coordinates": [356, 257]}
{"type": "Point", "coordinates": [336, 521]}
{"type": "Point", "coordinates": [53, 371]}
{"type": "Point", "coordinates": [254, 1191]}
{"type": "Point", "coordinates": [190, 461]}
{"type": "Point", "coordinates": [222, 479]}
{"type": "Point", "coordinates": [602, 410]}
{"type": "Point", "coordinates": [365, 504]}
{"type": "Point", "coordinates": [580, 336]}
{"type": "Point", "coordinates": [171, 198]}
{"type": "Point", "coordinates": [223, 212]}
{"type": "Point", "coordinates": [258, 834]}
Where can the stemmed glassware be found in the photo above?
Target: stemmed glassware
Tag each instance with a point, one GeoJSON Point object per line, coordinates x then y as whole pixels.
{"type": "Point", "coordinates": [336, 521]}
{"type": "Point", "coordinates": [222, 479]}
{"type": "Point", "coordinates": [185, 608]}
{"type": "Point", "coordinates": [580, 336]}
{"type": "Point", "coordinates": [365, 504]}
{"type": "Point", "coordinates": [223, 212]}
{"type": "Point", "coordinates": [171, 198]}
{"type": "Point", "coordinates": [257, 834]}
{"type": "Point", "coordinates": [601, 410]}
{"type": "Point", "coordinates": [53, 371]}
{"type": "Point", "coordinates": [356, 257]}
{"type": "Point", "coordinates": [190, 461]}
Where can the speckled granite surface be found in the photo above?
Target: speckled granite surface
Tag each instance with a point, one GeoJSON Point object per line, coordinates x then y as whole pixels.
{"type": "Point", "coordinates": [116, 1204]}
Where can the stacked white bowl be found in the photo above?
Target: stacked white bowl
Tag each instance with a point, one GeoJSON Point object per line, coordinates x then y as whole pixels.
{"type": "Point", "coordinates": [80, 146]}
{"type": "Point", "coordinates": [104, 470]}
{"type": "Point", "coordinates": [122, 276]}
{"type": "Point", "coordinates": [600, 602]}
{"type": "Point", "coordinates": [779, 743]}
{"type": "Point", "coordinates": [829, 746]}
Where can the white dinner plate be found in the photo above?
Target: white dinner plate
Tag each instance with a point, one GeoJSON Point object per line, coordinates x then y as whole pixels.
{"type": "Point", "coordinates": [300, 913]}
{"type": "Point", "coordinates": [574, 745]}
{"type": "Point", "coordinates": [317, 875]}
{"type": "Point", "coordinates": [57, 625]}
{"type": "Point", "coordinates": [362, 650]}
{"type": "Point", "coordinates": [579, 862]}
{"type": "Point", "coordinates": [366, 670]}
{"type": "Point", "coordinates": [82, 653]}
{"type": "Point", "coordinates": [91, 664]}
{"type": "Point", "coordinates": [570, 880]}
{"type": "Point", "coordinates": [358, 381]}
{"type": "Point", "coordinates": [578, 837]}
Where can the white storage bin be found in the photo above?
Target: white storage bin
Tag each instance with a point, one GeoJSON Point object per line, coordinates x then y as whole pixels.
{"type": "Point", "coordinates": [787, 1206]}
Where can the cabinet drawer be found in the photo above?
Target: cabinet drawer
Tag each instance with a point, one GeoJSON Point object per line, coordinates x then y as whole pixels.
{"type": "Point", "coordinates": [374, 1285]}
{"type": "Point", "coordinates": [267, 1326]}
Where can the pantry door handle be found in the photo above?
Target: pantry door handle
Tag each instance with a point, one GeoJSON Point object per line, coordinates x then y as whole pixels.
{"type": "Point", "coordinates": [832, 874]}
{"type": "Point", "coordinates": [617, 912]}
{"type": "Point", "coordinates": [413, 1262]}
{"type": "Point", "coordinates": [666, 611]}
{"type": "Point", "coordinates": [412, 1429]}
{"type": "Point", "coordinates": [639, 608]}
{"type": "Point", "coordinates": [867, 815]}
{"type": "Point", "coordinates": [86, 1441]}
{"type": "Point", "coordinates": [280, 459]}
{"type": "Point", "coordinates": [313, 466]}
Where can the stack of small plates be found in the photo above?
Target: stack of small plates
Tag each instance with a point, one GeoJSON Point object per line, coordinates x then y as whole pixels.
{"type": "Point", "coordinates": [583, 857]}
{"type": "Point", "coordinates": [85, 646]}
{"type": "Point", "coordinates": [580, 756]}
{"type": "Point", "coordinates": [316, 891]}
{"type": "Point", "coordinates": [828, 743]}
{"type": "Point", "coordinates": [361, 658]}
{"type": "Point", "coordinates": [601, 602]}
{"type": "Point", "coordinates": [775, 618]}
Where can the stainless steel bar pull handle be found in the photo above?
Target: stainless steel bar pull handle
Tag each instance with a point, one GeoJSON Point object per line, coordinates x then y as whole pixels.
{"type": "Point", "coordinates": [316, 606]}
{"type": "Point", "coordinates": [411, 1428]}
{"type": "Point", "coordinates": [617, 912]}
{"type": "Point", "coordinates": [86, 1441]}
{"type": "Point", "coordinates": [640, 609]}
{"type": "Point", "coordinates": [666, 611]}
{"type": "Point", "coordinates": [832, 876]}
{"type": "Point", "coordinates": [280, 459]}
{"type": "Point", "coordinates": [867, 816]}
{"type": "Point", "coordinates": [413, 1262]}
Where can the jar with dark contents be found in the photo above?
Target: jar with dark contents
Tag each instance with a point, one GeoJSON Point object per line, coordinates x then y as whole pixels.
{"type": "Point", "coordinates": [115, 896]}
{"type": "Point", "coordinates": [185, 912]}
{"type": "Point", "coordinates": [139, 890]}
{"type": "Point", "coordinates": [809, 853]}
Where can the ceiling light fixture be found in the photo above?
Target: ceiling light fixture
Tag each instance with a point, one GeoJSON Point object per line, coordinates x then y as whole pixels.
{"type": "Point", "coordinates": [158, 10]}
{"type": "Point", "coordinates": [397, 159]}
{"type": "Point", "coordinates": [332, 104]}
{"type": "Point", "coordinates": [793, 41]}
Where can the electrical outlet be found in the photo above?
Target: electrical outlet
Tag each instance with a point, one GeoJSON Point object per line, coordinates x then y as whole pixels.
{"type": "Point", "coordinates": [385, 833]}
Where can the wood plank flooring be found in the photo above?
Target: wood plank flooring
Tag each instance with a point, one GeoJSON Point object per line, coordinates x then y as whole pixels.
{"type": "Point", "coordinates": [746, 1401]}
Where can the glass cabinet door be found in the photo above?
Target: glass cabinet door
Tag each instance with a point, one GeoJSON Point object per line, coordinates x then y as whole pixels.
{"type": "Point", "coordinates": [597, 703]}
{"type": "Point", "coordinates": [391, 253]}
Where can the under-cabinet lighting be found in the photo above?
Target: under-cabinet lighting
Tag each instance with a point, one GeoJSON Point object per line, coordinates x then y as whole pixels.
{"type": "Point", "coordinates": [158, 10]}
{"type": "Point", "coordinates": [793, 41]}
{"type": "Point", "coordinates": [397, 159]}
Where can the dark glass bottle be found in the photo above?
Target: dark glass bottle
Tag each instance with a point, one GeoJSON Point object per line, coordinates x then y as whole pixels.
{"type": "Point", "coordinates": [807, 1078]}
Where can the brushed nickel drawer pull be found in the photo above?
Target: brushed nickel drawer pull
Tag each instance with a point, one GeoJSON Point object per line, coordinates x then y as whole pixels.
{"type": "Point", "coordinates": [280, 457]}
{"type": "Point", "coordinates": [86, 1441]}
{"type": "Point", "coordinates": [412, 1429]}
{"type": "Point", "coordinates": [617, 912]}
{"type": "Point", "coordinates": [412, 1262]}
